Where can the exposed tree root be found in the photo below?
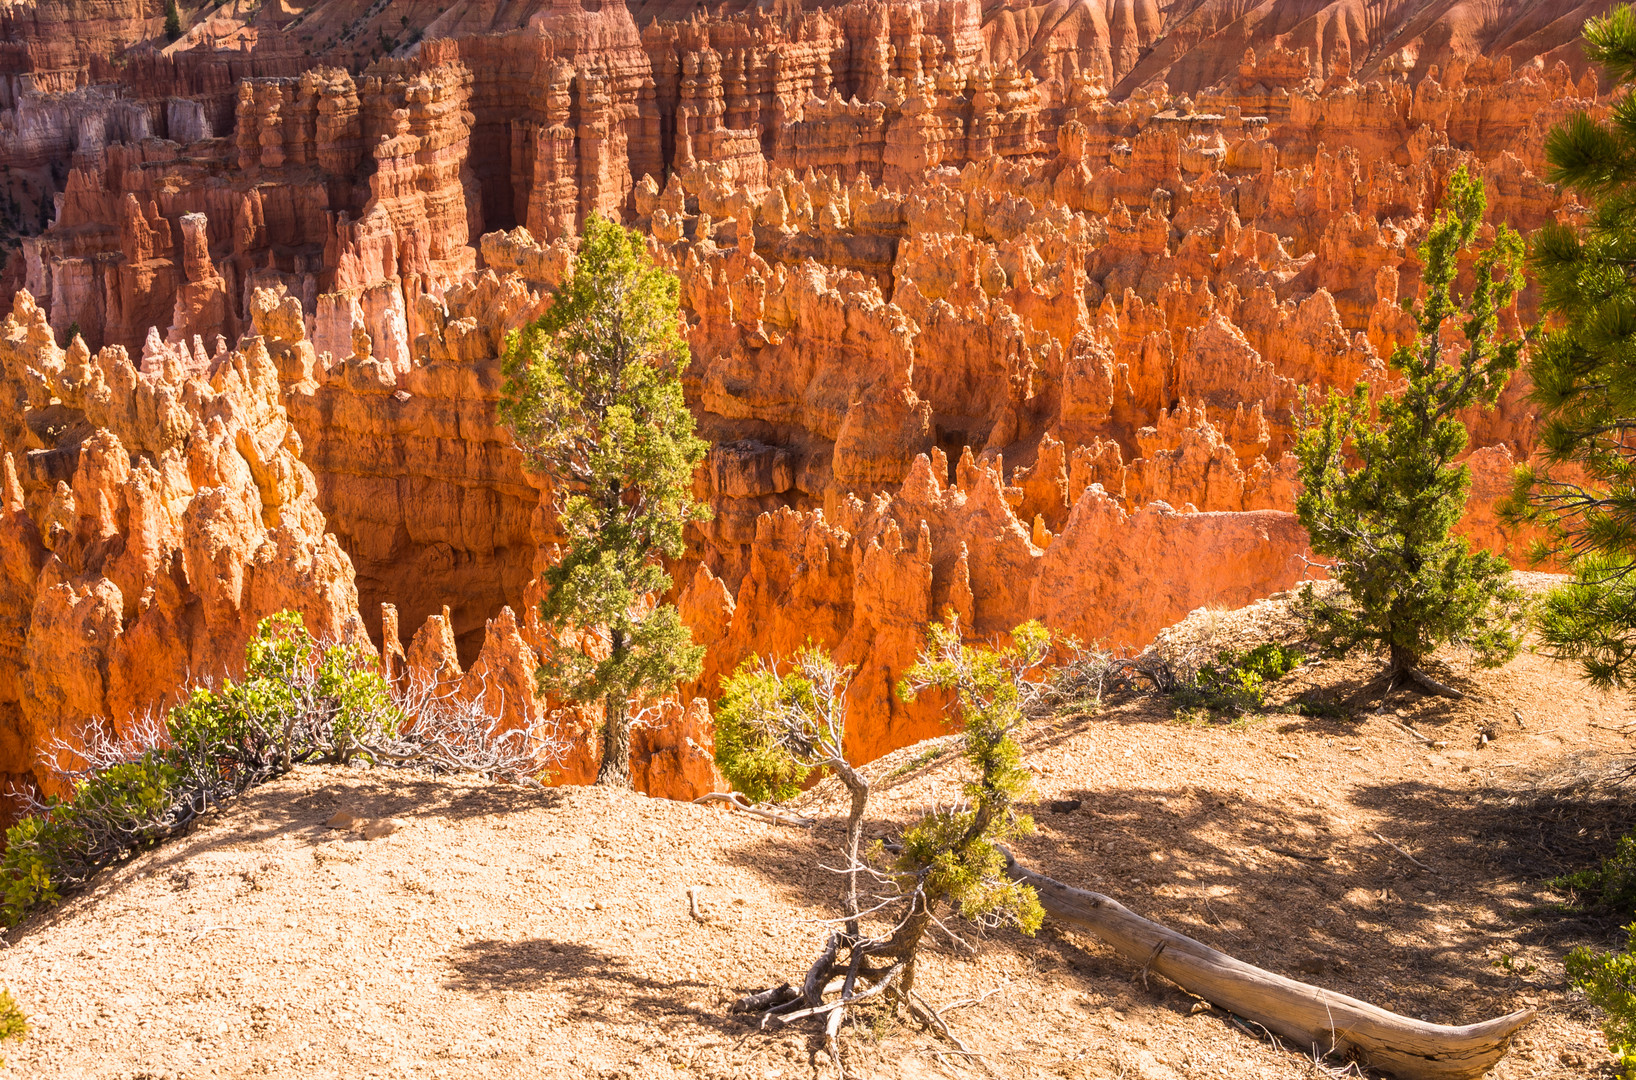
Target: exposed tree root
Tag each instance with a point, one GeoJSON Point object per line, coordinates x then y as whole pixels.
{"type": "Point", "coordinates": [760, 810]}
{"type": "Point", "coordinates": [1428, 684]}
{"type": "Point", "coordinates": [929, 1016]}
{"type": "Point", "coordinates": [783, 1004]}
{"type": "Point", "coordinates": [1315, 1020]}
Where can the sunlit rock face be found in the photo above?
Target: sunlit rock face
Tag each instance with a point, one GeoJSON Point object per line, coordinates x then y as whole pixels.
{"type": "Point", "coordinates": [1008, 315]}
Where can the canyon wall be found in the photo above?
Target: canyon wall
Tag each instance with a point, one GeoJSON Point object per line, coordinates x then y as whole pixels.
{"type": "Point", "coordinates": [985, 315]}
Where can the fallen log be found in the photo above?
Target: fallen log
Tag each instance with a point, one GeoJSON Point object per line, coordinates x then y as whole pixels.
{"type": "Point", "coordinates": [1317, 1021]}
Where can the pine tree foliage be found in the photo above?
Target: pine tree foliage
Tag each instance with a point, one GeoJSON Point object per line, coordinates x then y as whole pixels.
{"type": "Point", "coordinates": [1381, 495]}
{"type": "Point", "coordinates": [593, 397]}
{"type": "Point", "coordinates": [954, 851]}
{"type": "Point", "coordinates": [1582, 487]}
{"type": "Point", "coordinates": [173, 21]}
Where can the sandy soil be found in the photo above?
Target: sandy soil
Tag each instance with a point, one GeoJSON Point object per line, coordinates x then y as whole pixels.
{"type": "Point", "coordinates": [506, 932]}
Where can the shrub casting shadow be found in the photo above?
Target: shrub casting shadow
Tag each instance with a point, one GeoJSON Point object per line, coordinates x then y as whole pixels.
{"type": "Point", "coordinates": [270, 812]}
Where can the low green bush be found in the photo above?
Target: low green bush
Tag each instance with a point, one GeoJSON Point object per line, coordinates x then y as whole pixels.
{"type": "Point", "coordinates": [298, 702]}
{"type": "Point", "coordinates": [1236, 682]}
{"type": "Point", "coordinates": [1608, 979]}
{"type": "Point", "coordinates": [1609, 887]}
{"type": "Point", "coordinates": [13, 1024]}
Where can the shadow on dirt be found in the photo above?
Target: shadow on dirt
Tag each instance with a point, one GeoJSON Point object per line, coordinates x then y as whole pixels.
{"type": "Point", "coordinates": [1438, 926]}
{"type": "Point", "coordinates": [273, 813]}
{"type": "Point", "coordinates": [598, 983]}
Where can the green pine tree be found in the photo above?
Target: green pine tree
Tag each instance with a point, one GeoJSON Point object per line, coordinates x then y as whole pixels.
{"type": "Point", "coordinates": [1582, 486]}
{"type": "Point", "coordinates": [173, 21]}
{"type": "Point", "coordinates": [593, 396]}
{"type": "Point", "coordinates": [1381, 496]}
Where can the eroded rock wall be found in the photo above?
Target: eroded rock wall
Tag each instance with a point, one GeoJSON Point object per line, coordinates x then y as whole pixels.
{"type": "Point", "coordinates": [150, 519]}
{"type": "Point", "coordinates": [985, 315]}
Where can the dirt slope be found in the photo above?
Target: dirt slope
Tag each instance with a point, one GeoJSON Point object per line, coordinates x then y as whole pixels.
{"type": "Point", "coordinates": [505, 932]}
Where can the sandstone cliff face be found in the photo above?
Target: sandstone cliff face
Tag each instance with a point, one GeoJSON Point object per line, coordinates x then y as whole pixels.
{"type": "Point", "coordinates": [985, 317]}
{"type": "Point", "coordinates": [149, 520]}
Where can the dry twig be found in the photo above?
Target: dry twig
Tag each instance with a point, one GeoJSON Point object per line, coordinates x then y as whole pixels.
{"type": "Point", "coordinates": [1405, 854]}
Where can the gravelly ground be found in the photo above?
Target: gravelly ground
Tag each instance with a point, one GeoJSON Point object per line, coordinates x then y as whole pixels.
{"type": "Point", "coordinates": [503, 932]}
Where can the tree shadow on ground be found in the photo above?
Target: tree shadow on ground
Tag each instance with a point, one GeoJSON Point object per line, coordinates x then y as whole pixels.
{"type": "Point", "coordinates": [597, 982]}
{"type": "Point", "coordinates": [1427, 927]}
{"type": "Point", "coordinates": [271, 812]}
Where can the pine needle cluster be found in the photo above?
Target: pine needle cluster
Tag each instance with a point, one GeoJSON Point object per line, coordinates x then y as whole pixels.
{"type": "Point", "coordinates": [1582, 488]}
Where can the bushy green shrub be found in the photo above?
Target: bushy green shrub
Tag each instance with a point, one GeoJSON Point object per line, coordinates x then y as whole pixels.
{"type": "Point", "coordinates": [1608, 979]}
{"type": "Point", "coordinates": [1611, 886]}
{"type": "Point", "coordinates": [117, 811]}
{"type": "Point", "coordinates": [299, 701]}
{"type": "Point", "coordinates": [1236, 682]}
{"type": "Point", "coordinates": [13, 1024]}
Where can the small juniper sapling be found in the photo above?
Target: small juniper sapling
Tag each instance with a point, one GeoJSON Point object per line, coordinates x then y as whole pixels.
{"type": "Point", "coordinates": [1381, 494]}
{"type": "Point", "coordinates": [779, 722]}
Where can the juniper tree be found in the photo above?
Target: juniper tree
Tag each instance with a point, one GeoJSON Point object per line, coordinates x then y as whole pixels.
{"type": "Point", "coordinates": [1382, 494]}
{"type": "Point", "coordinates": [1582, 486]}
{"type": "Point", "coordinates": [593, 397]}
{"type": "Point", "coordinates": [777, 726]}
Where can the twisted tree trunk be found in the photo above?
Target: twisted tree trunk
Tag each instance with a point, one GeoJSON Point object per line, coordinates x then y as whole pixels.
{"type": "Point", "coordinates": [615, 770]}
{"type": "Point", "coordinates": [1314, 1020]}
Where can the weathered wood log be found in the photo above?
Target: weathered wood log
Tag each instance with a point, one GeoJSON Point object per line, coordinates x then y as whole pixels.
{"type": "Point", "coordinates": [1316, 1021]}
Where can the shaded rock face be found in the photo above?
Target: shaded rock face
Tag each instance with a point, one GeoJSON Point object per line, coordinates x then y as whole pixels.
{"type": "Point", "coordinates": [985, 315]}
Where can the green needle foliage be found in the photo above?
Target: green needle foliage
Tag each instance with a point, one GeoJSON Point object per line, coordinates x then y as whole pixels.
{"type": "Point", "coordinates": [173, 21]}
{"type": "Point", "coordinates": [1582, 487]}
{"type": "Point", "coordinates": [954, 853]}
{"type": "Point", "coordinates": [1381, 497]}
{"type": "Point", "coordinates": [593, 396]}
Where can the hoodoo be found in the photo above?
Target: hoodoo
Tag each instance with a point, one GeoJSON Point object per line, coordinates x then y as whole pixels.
{"type": "Point", "coordinates": [970, 315]}
{"type": "Point", "coordinates": [987, 312]}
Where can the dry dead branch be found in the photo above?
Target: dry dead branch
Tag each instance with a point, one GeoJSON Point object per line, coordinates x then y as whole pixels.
{"type": "Point", "coordinates": [1405, 854]}
{"type": "Point", "coordinates": [766, 811]}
